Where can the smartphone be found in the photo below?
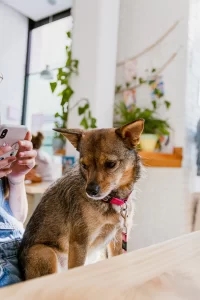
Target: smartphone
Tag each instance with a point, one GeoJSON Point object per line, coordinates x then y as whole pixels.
{"type": "Point", "coordinates": [9, 136]}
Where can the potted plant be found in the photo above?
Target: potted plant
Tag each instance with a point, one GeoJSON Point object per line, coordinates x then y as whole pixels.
{"type": "Point", "coordinates": [62, 83]}
{"type": "Point", "coordinates": [154, 127]}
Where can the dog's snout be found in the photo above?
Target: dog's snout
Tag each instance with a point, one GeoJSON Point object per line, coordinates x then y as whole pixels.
{"type": "Point", "coordinates": [92, 189]}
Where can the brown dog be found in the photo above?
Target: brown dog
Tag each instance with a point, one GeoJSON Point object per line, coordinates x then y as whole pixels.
{"type": "Point", "coordinates": [75, 217]}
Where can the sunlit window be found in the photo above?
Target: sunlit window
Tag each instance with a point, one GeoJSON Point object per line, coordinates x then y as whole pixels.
{"type": "Point", "coordinates": [47, 49]}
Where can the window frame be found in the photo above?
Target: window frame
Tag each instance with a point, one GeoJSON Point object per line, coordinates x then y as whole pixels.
{"type": "Point", "coordinates": [32, 25]}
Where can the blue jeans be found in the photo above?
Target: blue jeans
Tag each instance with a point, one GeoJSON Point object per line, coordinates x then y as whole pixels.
{"type": "Point", "coordinates": [9, 270]}
{"type": "Point", "coordinates": [11, 232]}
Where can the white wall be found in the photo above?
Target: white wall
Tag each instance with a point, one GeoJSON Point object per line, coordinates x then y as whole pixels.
{"type": "Point", "coordinates": [13, 44]}
{"type": "Point", "coordinates": [161, 207]}
{"type": "Point", "coordinates": [142, 22]}
{"type": "Point", "coordinates": [163, 203]}
{"type": "Point", "coordinates": [94, 45]}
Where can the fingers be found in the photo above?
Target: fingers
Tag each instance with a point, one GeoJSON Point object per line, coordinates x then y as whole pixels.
{"type": "Point", "coordinates": [4, 150]}
{"type": "Point", "coordinates": [27, 162]}
{"type": "Point", "coordinates": [28, 154]}
{"type": "Point", "coordinates": [5, 168]}
{"type": "Point", "coordinates": [25, 145]}
{"type": "Point", "coordinates": [27, 158]}
{"type": "Point", "coordinates": [5, 172]}
{"type": "Point", "coordinates": [4, 163]}
{"type": "Point", "coordinates": [28, 137]}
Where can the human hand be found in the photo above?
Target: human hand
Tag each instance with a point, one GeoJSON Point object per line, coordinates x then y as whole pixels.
{"type": "Point", "coordinates": [25, 160]}
{"type": "Point", "coordinates": [5, 163]}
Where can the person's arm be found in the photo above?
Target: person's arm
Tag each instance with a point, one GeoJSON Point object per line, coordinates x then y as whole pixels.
{"type": "Point", "coordinates": [25, 161]}
{"type": "Point", "coordinates": [18, 200]}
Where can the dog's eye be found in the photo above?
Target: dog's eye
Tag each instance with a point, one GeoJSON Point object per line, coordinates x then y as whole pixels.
{"type": "Point", "coordinates": [84, 166]}
{"type": "Point", "coordinates": [110, 164]}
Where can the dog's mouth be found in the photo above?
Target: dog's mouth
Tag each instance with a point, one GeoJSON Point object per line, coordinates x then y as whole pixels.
{"type": "Point", "coordinates": [96, 197]}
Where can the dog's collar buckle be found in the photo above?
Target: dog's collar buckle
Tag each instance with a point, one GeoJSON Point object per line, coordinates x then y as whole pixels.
{"type": "Point", "coordinates": [123, 212]}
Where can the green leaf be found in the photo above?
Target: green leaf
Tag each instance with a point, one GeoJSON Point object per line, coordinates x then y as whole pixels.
{"type": "Point", "coordinates": [153, 70]}
{"type": "Point", "coordinates": [69, 34]}
{"type": "Point", "coordinates": [84, 123]}
{"type": "Point", "coordinates": [158, 93]}
{"type": "Point", "coordinates": [64, 100]}
{"type": "Point", "coordinates": [151, 82]}
{"type": "Point", "coordinates": [127, 84]}
{"type": "Point", "coordinates": [53, 86]}
{"type": "Point", "coordinates": [134, 77]}
{"type": "Point", "coordinates": [69, 60]}
{"type": "Point", "coordinates": [67, 93]}
{"type": "Point", "coordinates": [167, 104]}
{"type": "Point", "coordinates": [63, 82]}
{"type": "Point", "coordinates": [86, 106]}
{"type": "Point", "coordinates": [76, 63]}
{"type": "Point", "coordinates": [141, 80]}
{"type": "Point", "coordinates": [81, 110]}
{"type": "Point", "coordinates": [60, 94]}
{"type": "Point", "coordinates": [57, 115]}
{"type": "Point", "coordinates": [154, 103]}
{"type": "Point", "coordinates": [93, 123]}
{"type": "Point", "coordinates": [57, 125]}
{"type": "Point", "coordinates": [118, 88]}
{"type": "Point", "coordinates": [60, 70]}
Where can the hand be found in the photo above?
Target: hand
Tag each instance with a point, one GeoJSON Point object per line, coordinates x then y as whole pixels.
{"type": "Point", "coordinates": [5, 164]}
{"type": "Point", "coordinates": [25, 160]}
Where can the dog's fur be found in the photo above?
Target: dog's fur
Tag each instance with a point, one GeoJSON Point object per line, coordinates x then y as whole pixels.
{"type": "Point", "coordinates": [69, 224]}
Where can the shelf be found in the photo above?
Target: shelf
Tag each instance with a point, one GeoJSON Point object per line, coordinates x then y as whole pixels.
{"type": "Point", "coordinates": [157, 159]}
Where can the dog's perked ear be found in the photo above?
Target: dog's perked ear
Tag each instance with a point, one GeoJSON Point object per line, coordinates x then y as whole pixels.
{"type": "Point", "coordinates": [73, 135]}
{"type": "Point", "coordinates": [131, 132]}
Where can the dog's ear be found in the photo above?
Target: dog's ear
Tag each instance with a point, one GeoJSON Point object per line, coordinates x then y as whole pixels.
{"type": "Point", "coordinates": [131, 132]}
{"type": "Point", "coordinates": [73, 135]}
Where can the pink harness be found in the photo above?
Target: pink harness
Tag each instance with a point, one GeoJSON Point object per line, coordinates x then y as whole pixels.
{"type": "Point", "coordinates": [123, 212]}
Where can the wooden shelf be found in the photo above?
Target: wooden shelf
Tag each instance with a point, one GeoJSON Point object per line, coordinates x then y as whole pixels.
{"type": "Point", "coordinates": [157, 159]}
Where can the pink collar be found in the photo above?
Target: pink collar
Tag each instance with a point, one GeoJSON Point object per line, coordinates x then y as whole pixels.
{"type": "Point", "coordinates": [118, 201]}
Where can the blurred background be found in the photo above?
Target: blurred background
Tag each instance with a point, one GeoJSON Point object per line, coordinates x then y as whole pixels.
{"type": "Point", "coordinates": [88, 64]}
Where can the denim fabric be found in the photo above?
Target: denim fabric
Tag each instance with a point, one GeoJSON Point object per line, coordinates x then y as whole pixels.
{"type": "Point", "coordinates": [11, 232]}
{"type": "Point", "coordinates": [9, 270]}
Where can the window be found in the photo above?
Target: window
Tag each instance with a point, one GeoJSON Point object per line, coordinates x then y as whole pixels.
{"type": "Point", "coordinates": [47, 47]}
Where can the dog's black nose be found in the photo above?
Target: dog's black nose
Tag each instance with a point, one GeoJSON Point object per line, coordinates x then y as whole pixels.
{"type": "Point", "coordinates": [92, 189]}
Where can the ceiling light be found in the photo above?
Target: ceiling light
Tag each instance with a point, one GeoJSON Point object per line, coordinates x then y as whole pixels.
{"type": "Point", "coordinates": [1, 77]}
{"type": "Point", "coordinates": [52, 2]}
{"type": "Point", "coordinates": [46, 74]}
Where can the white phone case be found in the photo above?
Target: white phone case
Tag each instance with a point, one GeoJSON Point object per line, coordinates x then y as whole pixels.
{"type": "Point", "coordinates": [9, 136]}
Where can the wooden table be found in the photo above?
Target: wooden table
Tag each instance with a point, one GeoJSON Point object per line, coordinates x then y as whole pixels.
{"type": "Point", "coordinates": [166, 271]}
{"type": "Point", "coordinates": [34, 192]}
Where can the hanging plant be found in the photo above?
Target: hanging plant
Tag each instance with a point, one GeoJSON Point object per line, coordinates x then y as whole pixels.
{"type": "Point", "coordinates": [63, 83]}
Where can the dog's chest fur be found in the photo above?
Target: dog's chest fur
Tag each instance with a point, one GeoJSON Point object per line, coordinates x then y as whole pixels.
{"type": "Point", "coordinates": [102, 227]}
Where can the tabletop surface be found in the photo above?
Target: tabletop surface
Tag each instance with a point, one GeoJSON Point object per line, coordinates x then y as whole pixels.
{"type": "Point", "coordinates": [37, 188]}
{"type": "Point", "coordinates": [170, 270]}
